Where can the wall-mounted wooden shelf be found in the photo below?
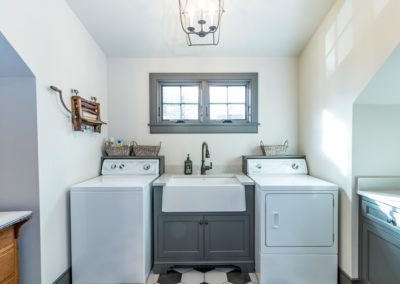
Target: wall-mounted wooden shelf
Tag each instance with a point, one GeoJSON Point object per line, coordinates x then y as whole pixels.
{"type": "Point", "coordinates": [85, 113]}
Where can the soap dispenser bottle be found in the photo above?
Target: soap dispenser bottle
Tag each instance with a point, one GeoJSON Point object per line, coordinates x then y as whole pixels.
{"type": "Point", "coordinates": [188, 166]}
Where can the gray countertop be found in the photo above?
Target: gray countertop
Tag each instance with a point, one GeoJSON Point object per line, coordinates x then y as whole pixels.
{"type": "Point", "coordinates": [382, 189]}
{"type": "Point", "coordinates": [10, 218]}
{"type": "Point", "coordinates": [243, 179]}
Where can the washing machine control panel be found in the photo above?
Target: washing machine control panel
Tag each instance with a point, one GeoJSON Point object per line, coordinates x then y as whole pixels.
{"type": "Point", "coordinates": [277, 166]}
{"type": "Point", "coordinates": [130, 167]}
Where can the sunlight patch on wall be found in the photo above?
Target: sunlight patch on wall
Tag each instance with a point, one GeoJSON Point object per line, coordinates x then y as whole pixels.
{"type": "Point", "coordinates": [335, 140]}
{"type": "Point", "coordinates": [339, 38]}
{"type": "Point", "coordinates": [379, 5]}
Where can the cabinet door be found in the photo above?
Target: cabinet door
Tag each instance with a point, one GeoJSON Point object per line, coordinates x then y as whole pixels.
{"type": "Point", "coordinates": [226, 236]}
{"type": "Point", "coordinates": [180, 237]}
{"type": "Point", "coordinates": [380, 256]}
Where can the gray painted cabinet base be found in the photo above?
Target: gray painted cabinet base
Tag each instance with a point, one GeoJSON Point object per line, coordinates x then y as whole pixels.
{"type": "Point", "coordinates": [203, 238]}
{"type": "Point", "coordinates": [380, 243]}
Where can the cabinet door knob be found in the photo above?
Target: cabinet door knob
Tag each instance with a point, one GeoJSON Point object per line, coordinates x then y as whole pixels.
{"type": "Point", "coordinates": [391, 221]}
{"type": "Point", "coordinates": [206, 222]}
{"type": "Point", "coordinates": [201, 223]}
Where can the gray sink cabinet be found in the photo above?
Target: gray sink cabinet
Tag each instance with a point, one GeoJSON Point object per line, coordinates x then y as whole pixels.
{"type": "Point", "coordinates": [203, 238]}
{"type": "Point", "coordinates": [380, 242]}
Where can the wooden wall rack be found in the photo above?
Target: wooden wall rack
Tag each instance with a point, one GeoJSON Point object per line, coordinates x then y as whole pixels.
{"type": "Point", "coordinates": [85, 113]}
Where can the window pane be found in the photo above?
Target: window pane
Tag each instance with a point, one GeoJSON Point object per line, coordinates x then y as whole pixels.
{"type": "Point", "coordinates": [237, 111]}
{"type": "Point", "coordinates": [237, 94]}
{"type": "Point", "coordinates": [171, 94]}
{"type": "Point", "coordinates": [171, 112]}
{"type": "Point", "coordinates": [218, 112]}
{"type": "Point", "coordinates": [190, 94]}
{"type": "Point", "coordinates": [218, 94]}
{"type": "Point", "coordinates": [190, 111]}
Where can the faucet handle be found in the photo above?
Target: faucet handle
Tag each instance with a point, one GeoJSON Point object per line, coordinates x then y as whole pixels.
{"type": "Point", "coordinates": [210, 165]}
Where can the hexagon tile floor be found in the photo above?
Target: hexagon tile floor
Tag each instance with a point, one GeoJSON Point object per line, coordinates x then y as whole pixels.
{"type": "Point", "coordinates": [218, 275]}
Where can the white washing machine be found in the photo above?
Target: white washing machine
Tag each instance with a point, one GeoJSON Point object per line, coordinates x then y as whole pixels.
{"type": "Point", "coordinates": [111, 223]}
{"type": "Point", "coordinates": [296, 223]}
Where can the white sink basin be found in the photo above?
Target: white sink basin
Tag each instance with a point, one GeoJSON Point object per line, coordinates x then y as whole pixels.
{"type": "Point", "coordinates": [203, 194]}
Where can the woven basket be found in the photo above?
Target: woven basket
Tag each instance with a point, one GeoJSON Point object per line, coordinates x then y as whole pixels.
{"type": "Point", "coordinates": [273, 150]}
{"type": "Point", "coordinates": [117, 150]}
{"type": "Point", "coordinates": [145, 150]}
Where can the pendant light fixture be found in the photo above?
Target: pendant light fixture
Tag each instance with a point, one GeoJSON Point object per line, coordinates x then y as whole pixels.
{"type": "Point", "coordinates": [201, 20]}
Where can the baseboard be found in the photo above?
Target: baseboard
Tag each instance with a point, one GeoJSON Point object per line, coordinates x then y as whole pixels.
{"type": "Point", "coordinates": [345, 279]}
{"type": "Point", "coordinates": [65, 278]}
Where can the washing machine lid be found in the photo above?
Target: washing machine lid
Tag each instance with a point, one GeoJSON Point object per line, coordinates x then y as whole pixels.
{"type": "Point", "coordinates": [292, 182]}
{"type": "Point", "coordinates": [121, 182]}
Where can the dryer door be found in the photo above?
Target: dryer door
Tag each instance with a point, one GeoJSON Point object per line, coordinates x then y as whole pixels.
{"type": "Point", "coordinates": [299, 220]}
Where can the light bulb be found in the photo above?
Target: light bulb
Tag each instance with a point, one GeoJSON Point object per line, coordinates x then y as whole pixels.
{"type": "Point", "coordinates": [191, 16]}
{"type": "Point", "coordinates": [211, 10]}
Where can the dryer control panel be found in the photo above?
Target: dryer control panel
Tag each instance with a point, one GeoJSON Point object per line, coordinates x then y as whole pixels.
{"type": "Point", "coordinates": [277, 166]}
{"type": "Point", "coordinates": [130, 167]}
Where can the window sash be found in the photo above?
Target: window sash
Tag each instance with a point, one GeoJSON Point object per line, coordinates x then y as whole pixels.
{"type": "Point", "coordinates": [204, 104]}
{"type": "Point", "coordinates": [204, 123]}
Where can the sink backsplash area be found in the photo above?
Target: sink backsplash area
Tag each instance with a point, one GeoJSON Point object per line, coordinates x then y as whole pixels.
{"type": "Point", "coordinates": [217, 169]}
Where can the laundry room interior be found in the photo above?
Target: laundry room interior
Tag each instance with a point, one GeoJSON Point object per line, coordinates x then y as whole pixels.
{"type": "Point", "coordinates": [200, 141]}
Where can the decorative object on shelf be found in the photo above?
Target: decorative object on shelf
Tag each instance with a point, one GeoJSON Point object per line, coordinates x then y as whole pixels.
{"type": "Point", "coordinates": [201, 20]}
{"type": "Point", "coordinates": [117, 149]}
{"type": "Point", "coordinates": [273, 150]}
{"type": "Point", "coordinates": [145, 150]}
{"type": "Point", "coordinates": [85, 113]}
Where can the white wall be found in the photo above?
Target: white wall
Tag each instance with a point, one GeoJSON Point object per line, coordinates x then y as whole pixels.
{"type": "Point", "coordinates": [376, 127]}
{"type": "Point", "coordinates": [351, 43]}
{"type": "Point", "coordinates": [128, 101]}
{"type": "Point", "coordinates": [376, 136]}
{"type": "Point", "coordinates": [58, 49]}
{"type": "Point", "coordinates": [19, 158]}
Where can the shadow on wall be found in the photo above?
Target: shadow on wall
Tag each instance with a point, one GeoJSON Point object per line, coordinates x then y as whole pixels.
{"type": "Point", "coordinates": [19, 182]}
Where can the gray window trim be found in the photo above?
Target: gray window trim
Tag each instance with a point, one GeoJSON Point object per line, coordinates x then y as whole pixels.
{"type": "Point", "coordinates": [203, 125]}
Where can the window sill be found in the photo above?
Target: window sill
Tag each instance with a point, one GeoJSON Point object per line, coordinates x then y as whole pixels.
{"type": "Point", "coordinates": [204, 128]}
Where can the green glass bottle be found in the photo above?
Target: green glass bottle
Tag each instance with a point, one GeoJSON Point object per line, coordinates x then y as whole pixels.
{"type": "Point", "coordinates": [188, 166]}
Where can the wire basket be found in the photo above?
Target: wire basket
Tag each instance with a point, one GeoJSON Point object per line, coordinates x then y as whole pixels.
{"type": "Point", "coordinates": [145, 150]}
{"type": "Point", "coordinates": [113, 150]}
{"type": "Point", "coordinates": [273, 150]}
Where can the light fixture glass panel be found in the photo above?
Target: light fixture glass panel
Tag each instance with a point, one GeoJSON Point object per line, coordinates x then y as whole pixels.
{"type": "Point", "coordinates": [171, 94]}
{"type": "Point", "coordinates": [237, 94]}
{"type": "Point", "coordinates": [237, 111]}
{"type": "Point", "coordinates": [190, 112]}
{"type": "Point", "coordinates": [171, 112]}
{"type": "Point", "coordinates": [218, 111]}
{"type": "Point", "coordinates": [190, 94]}
{"type": "Point", "coordinates": [218, 94]}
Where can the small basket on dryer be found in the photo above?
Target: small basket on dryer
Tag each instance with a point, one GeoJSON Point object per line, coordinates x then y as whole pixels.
{"type": "Point", "coordinates": [274, 150]}
{"type": "Point", "coordinates": [115, 150]}
{"type": "Point", "coordinates": [145, 150]}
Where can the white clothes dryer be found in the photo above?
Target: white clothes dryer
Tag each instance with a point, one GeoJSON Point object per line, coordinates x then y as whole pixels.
{"type": "Point", "coordinates": [296, 223]}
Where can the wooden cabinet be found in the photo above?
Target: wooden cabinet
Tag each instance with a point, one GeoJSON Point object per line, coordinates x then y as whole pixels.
{"type": "Point", "coordinates": [380, 243]}
{"type": "Point", "coordinates": [203, 238]}
{"type": "Point", "coordinates": [9, 254]}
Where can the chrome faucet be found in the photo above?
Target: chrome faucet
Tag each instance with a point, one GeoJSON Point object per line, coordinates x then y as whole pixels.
{"type": "Point", "coordinates": [205, 154]}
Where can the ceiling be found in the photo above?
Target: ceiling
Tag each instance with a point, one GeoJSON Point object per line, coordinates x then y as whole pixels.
{"type": "Point", "coordinates": [250, 28]}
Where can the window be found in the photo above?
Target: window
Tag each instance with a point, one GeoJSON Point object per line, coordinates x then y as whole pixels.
{"type": "Point", "coordinates": [203, 103]}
